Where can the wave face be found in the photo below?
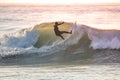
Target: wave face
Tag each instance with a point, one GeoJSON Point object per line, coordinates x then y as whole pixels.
{"type": "Point", "coordinates": [41, 40]}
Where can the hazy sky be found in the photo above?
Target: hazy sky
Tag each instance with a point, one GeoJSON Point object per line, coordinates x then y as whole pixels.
{"type": "Point", "coordinates": [59, 1]}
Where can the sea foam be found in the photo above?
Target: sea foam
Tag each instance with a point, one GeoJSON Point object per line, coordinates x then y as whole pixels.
{"type": "Point", "coordinates": [22, 39]}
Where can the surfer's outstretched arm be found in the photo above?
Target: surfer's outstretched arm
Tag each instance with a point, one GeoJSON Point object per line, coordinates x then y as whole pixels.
{"type": "Point", "coordinates": [61, 23]}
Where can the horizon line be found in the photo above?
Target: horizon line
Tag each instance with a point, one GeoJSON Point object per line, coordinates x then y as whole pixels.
{"type": "Point", "coordinates": [97, 3]}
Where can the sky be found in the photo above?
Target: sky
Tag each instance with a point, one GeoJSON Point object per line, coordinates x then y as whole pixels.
{"type": "Point", "coordinates": [59, 1]}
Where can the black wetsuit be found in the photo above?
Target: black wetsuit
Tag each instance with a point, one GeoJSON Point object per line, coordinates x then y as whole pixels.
{"type": "Point", "coordinates": [57, 32]}
{"type": "Point", "coordinates": [56, 29]}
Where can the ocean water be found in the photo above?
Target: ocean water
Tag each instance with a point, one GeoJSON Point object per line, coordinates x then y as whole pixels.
{"type": "Point", "coordinates": [30, 50]}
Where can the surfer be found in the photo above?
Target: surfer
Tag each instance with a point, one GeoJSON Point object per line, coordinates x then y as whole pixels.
{"type": "Point", "coordinates": [58, 32]}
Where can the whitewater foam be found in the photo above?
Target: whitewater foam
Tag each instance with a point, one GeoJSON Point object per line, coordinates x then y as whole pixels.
{"type": "Point", "coordinates": [22, 39]}
{"type": "Point", "coordinates": [20, 42]}
{"type": "Point", "coordinates": [104, 39]}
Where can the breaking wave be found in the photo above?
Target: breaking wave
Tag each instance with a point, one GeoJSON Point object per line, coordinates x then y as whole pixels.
{"type": "Point", "coordinates": [42, 40]}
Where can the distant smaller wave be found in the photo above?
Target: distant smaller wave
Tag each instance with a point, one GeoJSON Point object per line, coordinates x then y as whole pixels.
{"type": "Point", "coordinates": [9, 19]}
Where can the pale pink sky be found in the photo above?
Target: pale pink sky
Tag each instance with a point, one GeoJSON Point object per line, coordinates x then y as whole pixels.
{"type": "Point", "coordinates": [60, 1]}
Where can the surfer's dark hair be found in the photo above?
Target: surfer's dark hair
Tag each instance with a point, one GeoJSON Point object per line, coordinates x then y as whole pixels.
{"type": "Point", "coordinates": [56, 22]}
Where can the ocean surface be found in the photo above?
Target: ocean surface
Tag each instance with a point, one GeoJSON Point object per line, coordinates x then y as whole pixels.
{"type": "Point", "coordinates": [29, 49]}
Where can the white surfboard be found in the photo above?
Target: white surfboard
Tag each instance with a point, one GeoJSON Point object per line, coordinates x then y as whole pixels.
{"type": "Point", "coordinates": [73, 27]}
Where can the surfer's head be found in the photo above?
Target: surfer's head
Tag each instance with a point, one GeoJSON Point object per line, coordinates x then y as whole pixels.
{"type": "Point", "coordinates": [56, 23]}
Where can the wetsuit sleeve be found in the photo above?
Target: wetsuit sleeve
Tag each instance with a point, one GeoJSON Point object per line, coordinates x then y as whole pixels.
{"type": "Point", "coordinates": [61, 23]}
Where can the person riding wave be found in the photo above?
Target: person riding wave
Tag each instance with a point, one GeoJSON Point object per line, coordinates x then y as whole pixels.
{"type": "Point", "coordinates": [58, 32]}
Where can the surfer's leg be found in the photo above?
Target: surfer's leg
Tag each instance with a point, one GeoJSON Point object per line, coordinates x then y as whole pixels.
{"type": "Point", "coordinates": [62, 32]}
{"type": "Point", "coordinates": [61, 37]}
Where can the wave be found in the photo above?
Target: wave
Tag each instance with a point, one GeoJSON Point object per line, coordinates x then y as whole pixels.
{"type": "Point", "coordinates": [42, 40]}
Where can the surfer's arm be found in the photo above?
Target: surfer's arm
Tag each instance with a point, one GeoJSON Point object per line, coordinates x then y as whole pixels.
{"type": "Point", "coordinates": [61, 23]}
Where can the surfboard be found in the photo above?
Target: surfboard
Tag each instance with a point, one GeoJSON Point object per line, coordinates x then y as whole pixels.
{"type": "Point", "coordinates": [73, 27]}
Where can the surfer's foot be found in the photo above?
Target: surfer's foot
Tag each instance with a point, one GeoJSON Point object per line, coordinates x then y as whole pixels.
{"type": "Point", "coordinates": [71, 32]}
